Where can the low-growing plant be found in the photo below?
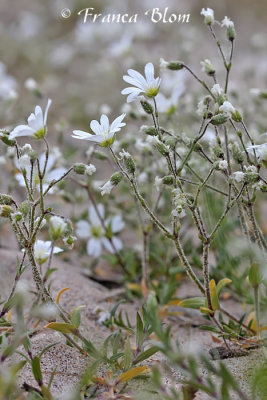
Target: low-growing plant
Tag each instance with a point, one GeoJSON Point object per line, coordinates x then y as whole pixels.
{"type": "Point", "coordinates": [169, 183]}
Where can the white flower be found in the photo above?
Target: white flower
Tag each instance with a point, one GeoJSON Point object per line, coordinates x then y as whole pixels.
{"type": "Point", "coordinates": [239, 176]}
{"type": "Point", "coordinates": [50, 174]}
{"type": "Point", "coordinates": [227, 22]}
{"type": "Point", "coordinates": [163, 64]}
{"type": "Point", "coordinates": [105, 109]}
{"type": "Point", "coordinates": [169, 104]}
{"type": "Point", "coordinates": [142, 178]}
{"type": "Point", "coordinates": [95, 232]}
{"type": "Point", "coordinates": [2, 160]}
{"type": "Point", "coordinates": [37, 220]}
{"type": "Point", "coordinates": [260, 150]}
{"type": "Point", "coordinates": [147, 85]}
{"type": "Point", "coordinates": [142, 146]}
{"type": "Point", "coordinates": [42, 251]}
{"type": "Point", "coordinates": [153, 140]}
{"type": "Point", "coordinates": [57, 227]}
{"type": "Point", "coordinates": [223, 165]}
{"type": "Point", "coordinates": [104, 132]}
{"type": "Point", "coordinates": [90, 169]}
{"type": "Point", "coordinates": [36, 127]}
{"type": "Point", "coordinates": [209, 16]}
{"type": "Point", "coordinates": [106, 188]}
{"type": "Point", "coordinates": [26, 148]}
{"type": "Point", "coordinates": [158, 183]}
{"type": "Point", "coordinates": [201, 108]}
{"type": "Point", "coordinates": [216, 90]}
{"type": "Point", "coordinates": [24, 162]}
{"type": "Point", "coordinates": [30, 84]}
{"type": "Point", "coordinates": [124, 154]}
{"type": "Point", "coordinates": [227, 108]}
{"type": "Point", "coordinates": [7, 84]}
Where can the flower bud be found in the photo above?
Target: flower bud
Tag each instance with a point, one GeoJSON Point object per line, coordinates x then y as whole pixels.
{"type": "Point", "coordinates": [168, 180]}
{"type": "Point", "coordinates": [149, 130]}
{"type": "Point", "coordinates": [254, 275]}
{"type": "Point", "coordinates": [175, 65]}
{"type": "Point", "coordinates": [128, 161]}
{"type": "Point", "coordinates": [237, 153]}
{"type": "Point", "coordinates": [147, 107]}
{"type": "Point", "coordinates": [79, 168]}
{"type": "Point", "coordinates": [5, 199]}
{"type": "Point", "coordinates": [207, 67]}
{"type": "Point", "coordinates": [162, 148]}
{"type": "Point", "coordinates": [24, 208]}
{"type": "Point", "coordinates": [116, 178]}
{"type": "Point", "coordinates": [5, 211]}
{"type": "Point", "coordinates": [219, 119]}
{"type": "Point", "coordinates": [17, 216]}
{"type": "Point", "coordinates": [251, 174]}
{"type": "Point", "coordinates": [4, 136]}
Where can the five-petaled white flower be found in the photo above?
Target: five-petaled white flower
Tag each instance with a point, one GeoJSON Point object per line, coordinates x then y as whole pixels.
{"type": "Point", "coordinates": [36, 127]}
{"type": "Point", "coordinates": [50, 174]}
{"type": "Point", "coordinates": [104, 132]}
{"type": "Point", "coordinates": [147, 85]}
{"type": "Point", "coordinates": [97, 235]}
{"type": "Point", "coordinates": [42, 250]}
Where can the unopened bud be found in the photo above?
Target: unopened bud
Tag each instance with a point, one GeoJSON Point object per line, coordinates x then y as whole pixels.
{"type": "Point", "coordinates": [5, 199]}
{"type": "Point", "coordinates": [79, 168]}
{"type": "Point", "coordinates": [147, 107]}
{"type": "Point", "coordinates": [175, 65]}
{"type": "Point", "coordinates": [116, 178]}
{"type": "Point", "coordinates": [5, 211]}
{"type": "Point", "coordinates": [219, 119]}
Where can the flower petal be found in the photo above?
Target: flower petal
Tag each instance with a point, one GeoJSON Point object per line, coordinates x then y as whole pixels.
{"type": "Point", "coordinates": [21, 130]}
{"type": "Point", "coordinates": [94, 247]}
{"type": "Point", "coordinates": [83, 229]}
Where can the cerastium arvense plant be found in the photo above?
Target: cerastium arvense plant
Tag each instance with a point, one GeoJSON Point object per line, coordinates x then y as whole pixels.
{"type": "Point", "coordinates": [231, 169]}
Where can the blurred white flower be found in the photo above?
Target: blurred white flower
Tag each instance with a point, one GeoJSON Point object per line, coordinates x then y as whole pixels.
{"type": "Point", "coordinates": [106, 188]}
{"type": "Point", "coordinates": [216, 90]}
{"type": "Point", "coordinates": [223, 165]}
{"type": "Point", "coordinates": [207, 67]}
{"type": "Point", "coordinates": [104, 132]}
{"type": "Point", "coordinates": [50, 175]}
{"type": "Point", "coordinates": [36, 127]}
{"type": "Point", "coordinates": [208, 16]}
{"type": "Point", "coordinates": [158, 183]}
{"type": "Point", "coordinates": [147, 85]}
{"type": "Point", "coordinates": [42, 251]}
{"type": "Point", "coordinates": [239, 176]}
{"type": "Point", "coordinates": [30, 84]}
{"type": "Point", "coordinates": [57, 227]}
{"type": "Point", "coordinates": [227, 108]}
{"type": "Point", "coordinates": [7, 84]}
{"type": "Point", "coordinates": [227, 22]}
{"type": "Point", "coordinates": [90, 169]}
{"type": "Point", "coordinates": [94, 231]}
{"type": "Point", "coordinates": [260, 150]}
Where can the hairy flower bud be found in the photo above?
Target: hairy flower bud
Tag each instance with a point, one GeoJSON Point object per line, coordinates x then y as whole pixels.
{"type": "Point", "coordinates": [219, 119]}
{"type": "Point", "coordinates": [149, 130]}
{"type": "Point", "coordinates": [147, 107]}
{"type": "Point", "coordinates": [162, 148]}
{"type": "Point", "coordinates": [5, 211]}
{"type": "Point", "coordinates": [79, 168]}
{"type": "Point", "coordinates": [116, 178]}
{"type": "Point", "coordinates": [5, 199]}
{"type": "Point", "coordinates": [175, 65]}
{"type": "Point", "coordinates": [24, 208]}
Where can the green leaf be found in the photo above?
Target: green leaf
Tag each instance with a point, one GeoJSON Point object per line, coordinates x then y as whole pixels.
{"type": "Point", "coordinates": [146, 354]}
{"type": "Point", "coordinates": [221, 284]}
{"type": "Point", "coordinates": [193, 302]}
{"type": "Point", "coordinates": [90, 349]}
{"type": "Point", "coordinates": [75, 316]}
{"type": "Point", "coordinates": [36, 369]}
{"type": "Point", "coordinates": [139, 332]}
{"type": "Point", "coordinates": [62, 327]}
{"type": "Point", "coordinates": [128, 355]}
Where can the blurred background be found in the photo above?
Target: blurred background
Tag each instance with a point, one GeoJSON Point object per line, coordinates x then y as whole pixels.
{"type": "Point", "coordinates": [80, 66]}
